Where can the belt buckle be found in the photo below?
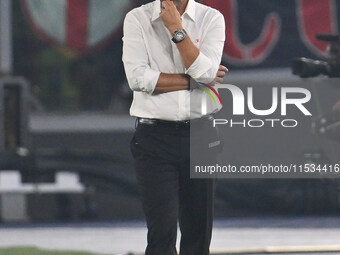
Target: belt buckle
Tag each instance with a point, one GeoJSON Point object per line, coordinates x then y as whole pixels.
{"type": "Point", "coordinates": [146, 121]}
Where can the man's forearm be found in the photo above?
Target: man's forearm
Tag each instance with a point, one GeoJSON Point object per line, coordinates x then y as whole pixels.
{"type": "Point", "coordinates": [189, 52]}
{"type": "Point", "coordinates": [172, 21]}
{"type": "Point", "coordinates": [172, 82]}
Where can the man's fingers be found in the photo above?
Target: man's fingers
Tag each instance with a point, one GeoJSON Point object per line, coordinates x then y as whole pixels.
{"type": "Point", "coordinates": [218, 80]}
{"type": "Point", "coordinates": [221, 74]}
{"type": "Point", "coordinates": [223, 68]}
{"type": "Point", "coordinates": [167, 3]}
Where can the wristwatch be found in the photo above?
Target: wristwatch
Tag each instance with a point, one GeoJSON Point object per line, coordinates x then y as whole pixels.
{"type": "Point", "coordinates": [179, 36]}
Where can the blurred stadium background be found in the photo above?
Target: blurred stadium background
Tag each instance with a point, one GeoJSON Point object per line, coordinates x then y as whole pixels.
{"type": "Point", "coordinates": [67, 179]}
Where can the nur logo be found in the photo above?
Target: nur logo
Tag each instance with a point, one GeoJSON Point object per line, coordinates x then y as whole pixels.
{"type": "Point", "coordinates": [239, 99]}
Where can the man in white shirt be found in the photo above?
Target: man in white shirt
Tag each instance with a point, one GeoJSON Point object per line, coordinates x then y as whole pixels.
{"type": "Point", "coordinates": [167, 44]}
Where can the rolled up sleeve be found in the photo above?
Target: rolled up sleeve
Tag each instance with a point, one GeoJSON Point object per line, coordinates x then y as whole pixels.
{"type": "Point", "coordinates": [201, 66]}
{"type": "Point", "coordinates": [135, 57]}
{"type": "Point", "coordinates": [205, 67]}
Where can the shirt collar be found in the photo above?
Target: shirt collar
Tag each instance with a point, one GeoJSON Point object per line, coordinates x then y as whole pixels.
{"type": "Point", "coordinates": [190, 10]}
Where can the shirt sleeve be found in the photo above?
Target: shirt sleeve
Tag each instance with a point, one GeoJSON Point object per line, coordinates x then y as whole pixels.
{"type": "Point", "coordinates": [135, 57]}
{"type": "Point", "coordinates": [206, 65]}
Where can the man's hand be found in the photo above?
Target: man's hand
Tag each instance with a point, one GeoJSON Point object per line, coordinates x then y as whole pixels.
{"type": "Point", "coordinates": [222, 70]}
{"type": "Point", "coordinates": [171, 17]}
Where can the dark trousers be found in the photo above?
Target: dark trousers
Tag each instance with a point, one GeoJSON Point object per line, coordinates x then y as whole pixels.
{"type": "Point", "coordinates": [162, 162]}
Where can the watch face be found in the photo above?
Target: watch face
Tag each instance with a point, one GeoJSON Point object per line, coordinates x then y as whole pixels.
{"type": "Point", "coordinates": [180, 35]}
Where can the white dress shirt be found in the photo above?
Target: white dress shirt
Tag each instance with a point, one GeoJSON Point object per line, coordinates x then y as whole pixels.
{"type": "Point", "coordinates": [148, 51]}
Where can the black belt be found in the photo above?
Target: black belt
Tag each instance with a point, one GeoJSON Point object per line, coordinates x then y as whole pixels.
{"type": "Point", "coordinates": [171, 124]}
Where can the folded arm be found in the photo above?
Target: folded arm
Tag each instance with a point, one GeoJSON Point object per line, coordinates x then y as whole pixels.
{"type": "Point", "coordinates": [139, 74]}
{"type": "Point", "coordinates": [201, 65]}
